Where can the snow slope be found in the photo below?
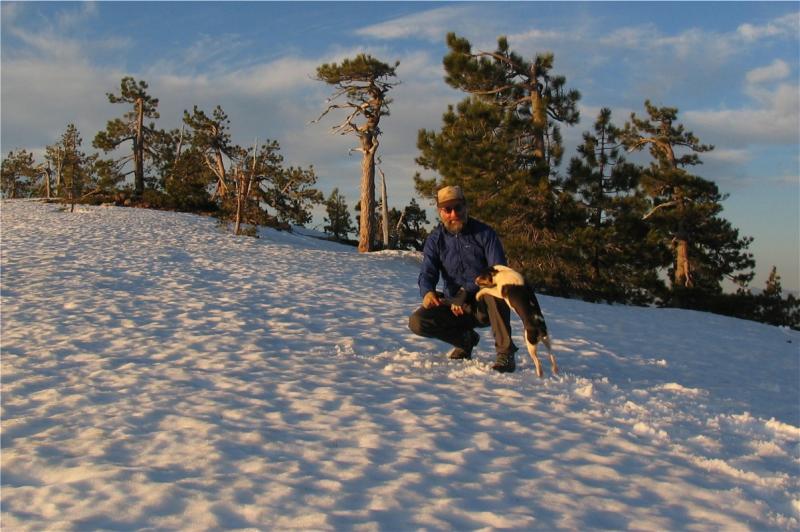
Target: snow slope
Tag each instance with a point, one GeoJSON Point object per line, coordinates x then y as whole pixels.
{"type": "Point", "coordinates": [159, 373]}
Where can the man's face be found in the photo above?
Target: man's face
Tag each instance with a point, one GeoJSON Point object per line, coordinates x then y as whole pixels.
{"type": "Point", "coordinates": [454, 216]}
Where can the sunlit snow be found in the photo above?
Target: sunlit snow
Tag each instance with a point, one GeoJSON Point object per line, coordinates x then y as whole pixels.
{"type": "Point", "coordinates": [161, 373]}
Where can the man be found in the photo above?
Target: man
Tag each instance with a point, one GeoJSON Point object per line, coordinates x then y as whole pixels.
{"type": "Point", "coordinates": [458, 249]}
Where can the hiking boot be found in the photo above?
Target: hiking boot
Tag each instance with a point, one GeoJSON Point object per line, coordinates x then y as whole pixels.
{"type": "Point", "coordinates": [505, 362]}
{"type": "Point", "coordinates": [471, 339]}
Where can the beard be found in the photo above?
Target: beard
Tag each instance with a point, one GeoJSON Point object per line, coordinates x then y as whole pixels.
{"type": "Point", "coordinates": [454, 226]}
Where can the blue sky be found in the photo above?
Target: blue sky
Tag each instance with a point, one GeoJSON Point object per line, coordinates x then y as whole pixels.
{"type": "Point", "coordinates": [730, 67]}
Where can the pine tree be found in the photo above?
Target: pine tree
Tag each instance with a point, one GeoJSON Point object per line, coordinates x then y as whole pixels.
{"type": "Point", "coordinates": [290, 191]}
{"type": "Point", "coordinates": [339, 222]}
{"type": "Point", "coordinates": [410, 227]}
{"type": "Point", "coordinates": [525, 88]}
{"type": "Point", "coordinates": [685, 207]}
{"type": "Point", "coordinates": [612, 240]}
{"type": "Point", "coordinates": [18, 174]}
{"type": "Point", "coordinates": [131, 128]}
{"type": "Point", "coordinates": [502, 145]}
{"type": "Point", "coordinates": [210, 136]}
{"type": "Point", "coordinates": [479, 147]}
{"type": "Point", "coordinates": [184, 176]}
{"type": "Point", "coordinates": [773, 308]}
{"type": "Point", "coordinates": [77, 167]}
{"type": "Point", "coordinates": [364, 83]}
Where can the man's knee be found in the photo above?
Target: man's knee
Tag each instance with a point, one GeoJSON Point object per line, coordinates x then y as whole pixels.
{"type": "Point", "coordinates": [415, 323]}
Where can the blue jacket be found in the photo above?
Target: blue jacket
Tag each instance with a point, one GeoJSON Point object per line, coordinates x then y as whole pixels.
{"type": "Point", "coordinates": [459, 258]}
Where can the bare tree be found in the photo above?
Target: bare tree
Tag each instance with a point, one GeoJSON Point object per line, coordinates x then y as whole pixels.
{"type": "Point", "coordinates": [363, 82]}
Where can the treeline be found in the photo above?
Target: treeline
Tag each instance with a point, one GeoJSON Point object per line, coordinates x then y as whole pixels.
{"type": "Point", "coordinates": [196, 168]}
{"type": "Point", "coordinates": [600, 228]}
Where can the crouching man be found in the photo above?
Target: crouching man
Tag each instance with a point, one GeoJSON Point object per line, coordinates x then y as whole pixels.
{"type": "Point", "coordinates": [457, 250]}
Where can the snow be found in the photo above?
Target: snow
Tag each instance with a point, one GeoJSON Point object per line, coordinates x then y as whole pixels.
{"type": "Point", "coordinates": [160, 373]}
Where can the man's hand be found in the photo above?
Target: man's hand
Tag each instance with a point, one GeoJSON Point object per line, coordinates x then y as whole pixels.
{"type": "Point", "coordinates": [457, 310]}
{"type": "Point", "coordinates": [430, 300]}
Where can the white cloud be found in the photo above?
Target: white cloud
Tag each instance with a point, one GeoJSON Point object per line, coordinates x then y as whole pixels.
{"type": "Point", "coordinates": [74, 18]}
{"type": "Point", "coordinates": [430, 25]}
{"type": "Point", "coordinates": [785, 26]}
{"type": "Point", "coordinates": [537, 36]}
{"type": "Point", "coordinates": [288, 73]}
{"type": "Point", "coordinates": [775, 119]}
{"type": "Point", "coordinates": [777, 71]}
{"type": "Point", "coordinates": [728, 156]}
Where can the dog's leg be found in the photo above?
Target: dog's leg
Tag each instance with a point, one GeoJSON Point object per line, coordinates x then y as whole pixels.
{"type": "Point", "coordinates": [546, 342]}
{"type": "Point", "coordinates": [532, 350]}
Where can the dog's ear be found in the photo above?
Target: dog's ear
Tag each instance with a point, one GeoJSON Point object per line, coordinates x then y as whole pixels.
{"type": "Point", "coordinates": [486, 278]}
{"type": "Point", "coordinates": [488, 272]}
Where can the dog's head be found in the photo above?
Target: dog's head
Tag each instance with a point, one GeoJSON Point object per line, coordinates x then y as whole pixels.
{"type": "Point", "coordinates": [486, 278]}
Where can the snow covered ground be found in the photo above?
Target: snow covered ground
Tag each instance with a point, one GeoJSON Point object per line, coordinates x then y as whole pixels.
{"type": "Point", "coordinates": [159, 373]}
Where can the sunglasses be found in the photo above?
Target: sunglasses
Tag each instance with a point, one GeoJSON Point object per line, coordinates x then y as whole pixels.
{"type": "Point", "coordinates": [456, 208]}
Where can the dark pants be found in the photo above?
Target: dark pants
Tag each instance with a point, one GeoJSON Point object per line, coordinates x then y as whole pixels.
{"type": "Point", "coordinates": [440, 323]}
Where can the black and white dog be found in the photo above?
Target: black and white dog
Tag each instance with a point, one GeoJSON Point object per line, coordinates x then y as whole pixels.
{"type": "Point", "coordinates": [504, 283]}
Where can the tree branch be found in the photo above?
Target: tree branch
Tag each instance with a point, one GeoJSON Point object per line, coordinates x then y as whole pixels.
{"type": "Point", "coordinates": [658, 207]}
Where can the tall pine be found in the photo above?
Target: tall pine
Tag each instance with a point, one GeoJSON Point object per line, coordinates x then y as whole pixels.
{"type": "Point", "coordinates": [502, 145]}
{"type": "Point", "coordinates": [131, 127]}
{"type": "Point", "coordinates": [612, 240]}
{"type": "Point", "coordinates": [685, 208]}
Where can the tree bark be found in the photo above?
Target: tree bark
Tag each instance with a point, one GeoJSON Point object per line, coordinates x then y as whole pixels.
{"type": "Point", "coordinates": [138, 150]}
{"type": "Point", "coordinates": [59, 173]}
{"type": "Point", "coordinates": [218, 167]}
{"type": "Point", "coordinates": [239, 177]}
{"type": "Point", "coordinates": [385, 211]}
{"type": "Point", "coordinates": [538, 117]}
{"type": "Point", "coordinates": [47, 173]}
{"type": "Point", "coordinates": [683, 274]}
{"type": "Point", "coordinates": [366, 230]}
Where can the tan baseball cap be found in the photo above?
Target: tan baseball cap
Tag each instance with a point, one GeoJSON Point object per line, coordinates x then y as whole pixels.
{"type": "Point", "coordinates": [447, 195]}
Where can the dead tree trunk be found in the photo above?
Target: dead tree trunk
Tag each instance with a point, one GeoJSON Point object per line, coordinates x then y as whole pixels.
{"type": "Point", "coordinates": [59, 173]}
{"type": "Point", "coordinates": [244, 183]}
{"type": "Point", "coordinates": [47, 171]}
{"type": "Point", "coordinates": [138, 150]}
{"type": "Point", "coordinates": [384, 210]}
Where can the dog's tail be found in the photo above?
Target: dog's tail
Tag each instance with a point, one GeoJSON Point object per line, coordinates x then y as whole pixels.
{"type": "Point", "coordinates": [546, 341]}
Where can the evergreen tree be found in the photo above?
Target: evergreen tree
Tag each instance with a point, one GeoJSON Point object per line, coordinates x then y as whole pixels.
{"type": "Point", "coordinates": [18, 174]}
{"type": "Point", "coordinates": [410, 226]}
{"type": "Point", "coordinates": [525, 88]}
{"type": "Point", "coordinates": [338, 220]}
{"type": "Point", "coordinates": [290, 191]}
{"type": "Point", "coordinates": [773, 308]}
{"type": "Point", "coordinates": [131, 127]}
{"type": "Point", "coordinates": [612, 240]}
{"type": "Point", "coordinates": [76, 165]}
{"type": "Point", "coordinates": [685, 207]}
{"type": "Point", "coordinates": [184, 176]}
{"type": "Point", "coordinates": [502, 145]}
{"type": "Point", "coordinates": [364, 83]}
{"type": "Point", "coordinates": [479, 147]}
{"type": "Point", "coordinates": [106, 177]}
{"type": "Point", "coordinates": [210, 137]}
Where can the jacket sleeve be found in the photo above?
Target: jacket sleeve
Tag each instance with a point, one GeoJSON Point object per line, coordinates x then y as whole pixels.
{"type": "Point", "coordinates": [431, 265]}
{"type": "Point", "coordinates": [494, 249]}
